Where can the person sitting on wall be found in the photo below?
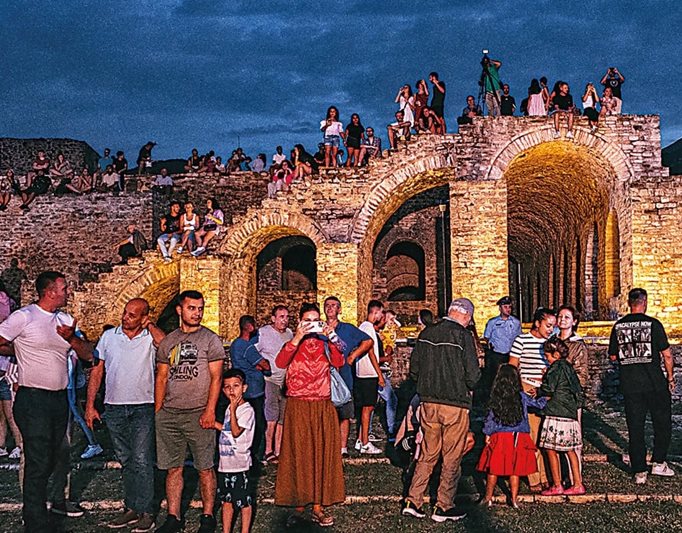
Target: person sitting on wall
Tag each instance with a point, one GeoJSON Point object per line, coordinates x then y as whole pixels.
{"type": "Point", "coordinates": [431, 123]}
{"type": "Point", "coordinates": [194, 162]}
{"type": "Point", "coordinates": [8, 184]}
{"type": "Point", "coordinates": [471, 110]}
{"type": "Point", "coordinates": [61, 168]}
{"type": "Point", "coordinates": [163, 181]}
{"type": "Point", "coordinates": [109, 180]}
{"type": "Point", "coordinates": [207, 167]}
{"type": "Point", "coordinates": [39, 185]}
{"type": "Point", "coordinates": [169, 224]}
{"type": "Point", "coordinates": [259, 164]}
{"type": "Point", "coordinates": [81, 183]}
{"type": "Point", "coordinates": [132, 246]}
{"type": "Point", "coordinates": [220, 168]}
{"type": "Point", "coordinates": [398, 130]}
{"type": "Point", "coordinates": [370, 147]}
{"type": "Point", "coordinates": [41, 162]}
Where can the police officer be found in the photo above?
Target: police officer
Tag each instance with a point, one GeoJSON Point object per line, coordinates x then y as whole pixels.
{"type": "Point", "coordinates": [500, 333]}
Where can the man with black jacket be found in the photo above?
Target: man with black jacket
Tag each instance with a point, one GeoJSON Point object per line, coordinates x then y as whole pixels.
{"type": "Point", "coordinates": [445, 368]}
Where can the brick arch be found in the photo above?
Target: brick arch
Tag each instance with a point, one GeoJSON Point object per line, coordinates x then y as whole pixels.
{"type": "Point", "coordinates": [264, 226]}
{"type": "Point", "coordinates": [597, 144]}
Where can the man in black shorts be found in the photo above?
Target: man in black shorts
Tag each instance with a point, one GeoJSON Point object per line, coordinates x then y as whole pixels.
{"type": "Point", "coordinates": [438, 98]}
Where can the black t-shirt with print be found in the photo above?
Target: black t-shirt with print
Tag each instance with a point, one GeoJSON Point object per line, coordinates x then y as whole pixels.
{"type": "Point", "coordinates": [563, 102]}
{"type": "Point", "coordinates": [507, 104]}
{"type": "Point", "coordinates": [638, 340]}
{"type": "Point", "coordinates": [615, 84]}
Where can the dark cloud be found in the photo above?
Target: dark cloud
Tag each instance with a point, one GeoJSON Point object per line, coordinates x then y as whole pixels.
{"type": "Point", "coordinates": [209, 73]}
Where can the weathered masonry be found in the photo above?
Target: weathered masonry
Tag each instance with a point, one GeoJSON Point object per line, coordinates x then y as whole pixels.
{"type": "Point", "coordinates": [500, 207]}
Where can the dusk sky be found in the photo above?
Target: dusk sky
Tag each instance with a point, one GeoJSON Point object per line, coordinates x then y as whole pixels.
{"type": "Point", "coordinates": [206, 72]}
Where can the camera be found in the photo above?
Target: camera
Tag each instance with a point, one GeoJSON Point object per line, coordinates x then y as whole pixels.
{"type": "Point", "coordinates": [486, 51]}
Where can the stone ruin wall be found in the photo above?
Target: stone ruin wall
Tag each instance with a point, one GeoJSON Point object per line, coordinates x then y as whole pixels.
{"type": "Point", "coordinates": [18, 154]}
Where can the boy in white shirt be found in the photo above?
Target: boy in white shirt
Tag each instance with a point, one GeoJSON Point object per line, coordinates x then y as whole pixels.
{"type": "Point", "coordinates": [234, 449]}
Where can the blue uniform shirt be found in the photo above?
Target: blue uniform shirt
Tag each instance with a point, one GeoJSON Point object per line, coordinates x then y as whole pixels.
{"type": "Point", "coordinates": [501, 333]}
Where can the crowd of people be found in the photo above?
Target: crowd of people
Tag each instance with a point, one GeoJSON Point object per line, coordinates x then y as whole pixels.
{"type": "Point", "coordinates": [286, 398]}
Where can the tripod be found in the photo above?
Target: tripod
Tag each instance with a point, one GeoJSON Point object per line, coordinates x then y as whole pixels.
{"type": "Point", "coordinates": [486, 76]}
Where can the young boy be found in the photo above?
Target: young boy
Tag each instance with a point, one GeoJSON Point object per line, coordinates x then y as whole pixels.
{"type": "Point", "coordinates": [234, 445]}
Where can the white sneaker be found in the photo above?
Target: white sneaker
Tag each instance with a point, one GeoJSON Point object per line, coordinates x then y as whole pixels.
{"type": "Point", "coordinates": [358, 445]}
{"type": "Point", "coordinates": [178, 250]}
{"type": "Point", "coordinates": [374, 438]}
{"type": "Point", "coordinates": [370, 449]}
{"type": "Point", "coordinates": [3, 452]}
{"type": "Point", "coordinates": [199, 251]}
{"type": "Point", "coordinates": [16, 453]}
{"type": "Point", "coordinates": [556, 134]}
{"type": "Point", "coordinates": [167, 259]}
{"type": "Point", "coordinates": [569, 135]}
{"type": "Point", "coordinates": [640, 478]}
{"type": "Point", "coordinates": [661, 469]}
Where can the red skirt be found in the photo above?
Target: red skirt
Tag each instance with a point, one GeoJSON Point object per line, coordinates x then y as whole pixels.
{"type": "Point", "coordinates": [508, 454]}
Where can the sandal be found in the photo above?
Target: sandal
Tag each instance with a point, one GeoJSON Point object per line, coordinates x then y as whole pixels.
{"type": "Point", "coordinates": [323, 519]}
{"type": "Point", "coordinates": [271, 458]}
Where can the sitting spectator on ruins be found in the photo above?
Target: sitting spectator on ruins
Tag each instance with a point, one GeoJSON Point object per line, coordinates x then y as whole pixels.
{"type": "Point", "coordinates": [398, 130]}
{"type": "Point", "coordinates": [233, 164]}
{"type": "Point", "coordinates": [163, 180]}
{"type": "Point", "coordinates": [7, 187]}
{"type": "Point", "coordinates": [207, 167]}
{"type": "Point", "coordinates": [104, 161]}
{"type": "Point", "coordinates": [319, 155]}
{"type": "Point", "coordinates": [278, 157]}
{"type": "Point", "coordinates": [220, 166]}
{"type": "Point", "coordinates": [132, 246]}
{"type": "Point", "coordinates": [169, 224]}
{"type": "Point", "coordinates": [41, 162]}
{"type": "Point", "coordinates": [590, 99]}
{"type": "Point", "coordinates": [189, 223]}
{"type": "Point", "coordinates": [108, 180]}
{"type": "Point", "coordinates": [507, 102]}
{"type": "Point", "coordinates": [371, 147]}
{"type": "Point", "coordinates": [144, 158]}
{"type": "Point", "coordinates": [304, 163]}
{"type": "Point", "coordinates": [213, 221]}
{"type": "Point", "coordinates": [39, 185]}
{"type": "Point", "coordinates": [82, 183]}
{"type": "Point", "coordinates": [194, 162]}
{"type": "Point", "coordinates": [259, 164]}
{"type": "Point", "coordinates": [562, 105]}
{"type": "Point", "coordinates": [431, 123]}
{"type": "Point", "coordinates": [332, 129]}
{"type": "Point", "coordinates": [61, 168]}
{"type": "Point", "coordinates": [471, 110]}
{"type": "Point", "coordinates": [610, 105]}
{"type": "Point", "coordinates": [120, 167]}
{"type": "Point", "coordinates": [281, 179]}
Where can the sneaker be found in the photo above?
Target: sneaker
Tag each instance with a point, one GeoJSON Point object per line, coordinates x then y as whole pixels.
{"type": "Point", "coordinates": [91, 451]}
{"type": "Point", "coordinates": [374, 438]}
{"type": "Point", "coordinates": [640, 478]}
{"type": "Point", "coordinates": [171, 525]}
{"type": "Point", "coordinates": [70, 509]}
{"type": "Point", "coordinates": [178, 250]}
{"type": "Point", "coordinates": [370, 449]}
{"type": "Point", "coordinates": [199, 251]}
{"type": "Point", "coordinates": [3, 452]}
{"type": "Point", "coordinates": [124, 519]}
{"type": "Point", "coordinates": [167, 259]}
{"type": "Point", "coordinates": [207, 524]}
{"type": "Point", "coordinates": [453, 514]}
{"type": "Point", "coordinates": [144, 524]}
{"type": "Point", "coordinates": [358, 445]}
{"type": "Point", "coordinates": [593, 129]}
{"type": "Point", "coordinates": [553, 491]}
{"type": "Point", "coordinates": [16, 453]}
{"type": "Point", "coordinates": [410, 509]}
{"type": "Point", "coordinates": [557, 134]}
{"type": "Point", "coordinates": [569, 135]}
{"type": "Point", "coordinates": [661, 469]}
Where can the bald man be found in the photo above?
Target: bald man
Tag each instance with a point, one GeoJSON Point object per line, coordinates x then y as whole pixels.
{"type": "Point", "coordinates": [129, 354]}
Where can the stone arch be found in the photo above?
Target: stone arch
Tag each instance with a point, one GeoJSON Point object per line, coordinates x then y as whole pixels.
{"type": "Point", "coordinates": [154, 285]}
{"type": "Point", "coordinates": [241, 247]}
{"type": "Point", "coordinates": [595, 143]}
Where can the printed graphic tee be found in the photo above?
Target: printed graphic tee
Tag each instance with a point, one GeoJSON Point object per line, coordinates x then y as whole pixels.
{"type": "Point", "coordinates": [188, 355]}
{"type": "Point", "coordinates": [234, 453]}
{"type": "Point", "coordinates": [638, 340]}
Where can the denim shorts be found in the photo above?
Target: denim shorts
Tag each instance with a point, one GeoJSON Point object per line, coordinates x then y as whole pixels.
{"type": "Point", "coordinates": [332, 140]}
{"type": "Point", "coordinates": [5, 392]}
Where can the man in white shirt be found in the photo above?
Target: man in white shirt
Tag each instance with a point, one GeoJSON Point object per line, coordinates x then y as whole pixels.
{"type": "Point", "coordinates": [129, 354]}
{"type": "Point", "coordinates": [368, 376]}
{"type": "Point", "coordinates": [42, 337]}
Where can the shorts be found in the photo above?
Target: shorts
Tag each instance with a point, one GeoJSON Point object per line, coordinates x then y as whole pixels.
{"type": "Point", "coordinates": [346, 411]}
{"type": "Point", "coordinates": [176, 429]}
{"type": "Point", "coordinates": [438, 110]}
{"type": "Point", "coordinates": [332, 140]}
{"type": "Point", "coordinates": [234, 488]}
{"type": "Point", "coordinates": [353, 142]}
{"type": "Point", "coordinates": [366, 391]}
{"type": "Point", "coordinates": [275, 403]}
{"type": "Point", "coordinates": [5, 391]}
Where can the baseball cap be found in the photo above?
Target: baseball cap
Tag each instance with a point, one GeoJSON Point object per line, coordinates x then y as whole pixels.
{"type": "Point", "coordinates": [464, 305]}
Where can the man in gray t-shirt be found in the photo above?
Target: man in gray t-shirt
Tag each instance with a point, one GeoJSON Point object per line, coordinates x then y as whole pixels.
{"type": "Point", "coordinates": [271, 338]}
{"type": "Point", "coordinates": [189, 366]}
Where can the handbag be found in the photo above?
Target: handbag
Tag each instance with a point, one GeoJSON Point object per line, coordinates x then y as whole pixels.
{"type": "Point", "coordinates": [340, 392]}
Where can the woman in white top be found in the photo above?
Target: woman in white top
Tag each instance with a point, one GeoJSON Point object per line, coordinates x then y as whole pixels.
{"type": "Point", "coordinates": [528, 355]}
{"type": "Point", "coordinates": [405, 101]}
{"type": "Point", "coordinates": [536, 102]}
{"type": "Point", "coordinates": [332, 129]}
{"type": "Point", "coordinates": [590, 99]}
{"type": "Point", "coordinates": [213, 221]}
{"type": "Point", "coordinates": [189, 222]}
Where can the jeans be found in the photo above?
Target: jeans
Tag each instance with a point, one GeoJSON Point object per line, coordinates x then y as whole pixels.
{"type": "Point", "coordinates": [391, 400]}
{"type": "Point", "coordinates": [174, 239]}
{"type": "Point", "coordinates": [132, 433]}
{"type": "Point", "coordinates": [258, 445]}
{"type": "Point", "coordinates": [636, 407]}
{"type": "Point", "coordinates": [76, 416]}
{"type": "Point", "coordinates": [41, 416]}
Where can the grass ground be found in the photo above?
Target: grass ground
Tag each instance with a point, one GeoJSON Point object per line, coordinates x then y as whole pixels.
{"type": "Point", "coordinates": [604, 433]}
